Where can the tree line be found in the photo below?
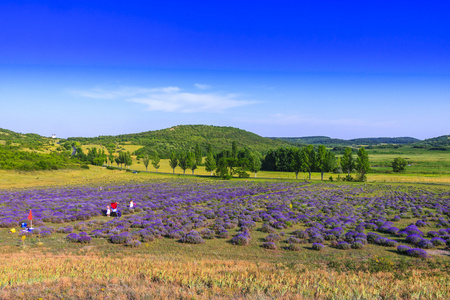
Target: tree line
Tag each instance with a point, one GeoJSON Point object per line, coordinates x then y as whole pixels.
{"type": "Point", "coordinates": [308, 159]}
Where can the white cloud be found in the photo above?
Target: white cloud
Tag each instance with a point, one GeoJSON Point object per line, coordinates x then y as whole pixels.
{"type": "Point", "coordinates": [202, 86]}
{"type": "Point", "coordinates": [170, 99]}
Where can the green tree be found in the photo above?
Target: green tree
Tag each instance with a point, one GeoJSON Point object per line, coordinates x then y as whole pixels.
{"type": "Point", "coordinates": [234, 149]}
{"type": "Point", "coordinates": [192, 161]}
{"type": "Point", "coordinates": [128, 161]}
{"type": "Point", "coordinates": [254, 164]}
{"type": "Point", "coordinates": [173, 161]}
{"type": "Point", "coordinates": [399, 165]}
{"type": "Point", "coordinates": [297, 161]}
{"type": "Point", "coordinates": [198, 155]}
{"type": "Point", "coordinates": [111, 158]}
{"type": "Point", "coordinates": [362, 164]}
{"type": "Point", "coordinates": [347, 161]}
{"type": "Point", "coordinates": [331, 162]}
{"type": "Point", "coordinates": [183, 161]}
{"type": "Point", "coordinates": [321, 160]}
{"type": "Point", "coordinates": [222, 168]}
{"type": "Point", "coordinates": [210, 163]}
{"type": "Point", "coordinates": [309, 159]}
{"type": "Point", "coordinates": [155, 161]}
{"type": "Point", "coordinates": [146, 161]}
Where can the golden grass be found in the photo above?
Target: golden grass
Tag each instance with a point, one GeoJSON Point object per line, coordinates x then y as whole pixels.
{"type": "Point", "coordinates": [95, 175]}
{"type": "Point", "coordinates": [101, 175]}
{"type": "Point", "coordinates": [53, 276]}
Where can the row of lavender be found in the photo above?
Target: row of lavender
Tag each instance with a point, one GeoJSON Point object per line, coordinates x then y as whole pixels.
{"type": "Point", "coordinates": [347, 217]}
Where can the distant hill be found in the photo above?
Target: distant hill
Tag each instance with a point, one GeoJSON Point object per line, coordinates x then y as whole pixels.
{"type": "Point", "coordinates": [324, 140]}
{"type": "Point", "coordinates": [440, 141]}
{"type": "Point", "coordinates": [185, 137]}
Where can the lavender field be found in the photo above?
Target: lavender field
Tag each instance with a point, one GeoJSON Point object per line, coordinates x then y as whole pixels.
{"type": "Point", "coordinates": [310, 229]}
{"type": "Point", "coordinates": [341, 217]}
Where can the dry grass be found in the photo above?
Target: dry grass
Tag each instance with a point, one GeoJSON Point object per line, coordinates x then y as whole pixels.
{"type": "Point", "coordinates": [33, 276]}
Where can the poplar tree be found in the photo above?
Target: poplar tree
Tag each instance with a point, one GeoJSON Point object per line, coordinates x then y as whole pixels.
{"type": "Point", "coordinates": [173, 161]}
{"type": "Point", "coordinates": [155, 161]}
{"type": "Point", "coordinates": [321, 160]}
{"type": "Point", "coordinates": [347, 161]}
{"type": "Point", "coordinates": [146, 161]}
{"type": "Point", "coordinates": [210, 163]}
{"type": "Point", "coordinates": [183, 162]}
{"type": "Point", "coordinates": [362, 164]}
{"type": "Point", "coordinates": [198, 155]}
{"type": "Point", "coordinates": [309, 159]}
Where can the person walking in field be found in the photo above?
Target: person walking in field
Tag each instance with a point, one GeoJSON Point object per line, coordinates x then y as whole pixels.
{"type": "Point", "coordinates": [131, 204]}
{"type": "Point", "coordinates": [108, 211]}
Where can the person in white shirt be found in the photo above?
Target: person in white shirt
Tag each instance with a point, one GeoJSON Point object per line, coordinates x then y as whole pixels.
{"type": "Point", "coordinates": [108, 211]}
{"type": "Point", "coordinates": [131, 204]}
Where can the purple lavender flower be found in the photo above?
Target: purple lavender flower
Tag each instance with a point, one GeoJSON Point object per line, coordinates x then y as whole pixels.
{"type": "Point", "coordinates": [417, 253]}
{"type": "Point", "coordinates": [318, 246]}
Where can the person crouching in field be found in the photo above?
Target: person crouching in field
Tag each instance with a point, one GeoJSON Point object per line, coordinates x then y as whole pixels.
{"type": "Point", "coordinates": [108, 211]}
{"type": "Point", "coordinates": [114, 207]}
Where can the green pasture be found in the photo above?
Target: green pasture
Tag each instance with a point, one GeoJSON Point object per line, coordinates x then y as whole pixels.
{"type": "Point", "coordinates": [421, 161]}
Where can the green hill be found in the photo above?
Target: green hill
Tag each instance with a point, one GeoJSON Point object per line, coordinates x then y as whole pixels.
{"type": "Point", "coordinates": [24, 140]}
{"type": "Point", "coordinates": [440, 141]}
{"type": "Point", "coordinates": [185, 137]}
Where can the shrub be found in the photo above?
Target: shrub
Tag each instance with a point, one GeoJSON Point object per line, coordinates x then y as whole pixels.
{"type": "Point", "coordinates": [269, 245]}
{"type": "Point", "coordinates": [240, 240]}
{"type": "Point", "coordinates": [438, 241]}
{"type": "Point", "coordinates": [133, 244]}
{"type": "Point", "coordinates": [402, 249]}
{"type": "Point", "coordinates": [207, 233]}
{"type": "Point", "coordinates": [301, 234]}
{"type": "Point", "coordinates": [390, 243]}
{"type": "Point", "coordinates": [85, 239]}
{"type": "Point", "coordinates": [417, 253]}
{"type": "Point", "coordinates": [192, 237]}
{"type": "Point", "coordinates": [267, 228]}
{"type": "Point", "coordinates": [47, 233]}
{"type": "Point", "coordinates": [316, 238]}
{"type": "Point", "coordinates": [294, 247]}
{"type": "Point", "coordinates": [223, 234]}
{"type": "Point", "coordinates": [432, 234]}
{"type": "Point", "coordinates": [343, 245]}
{"type": "Point", "coordinates": [73, 238]}
{"type": "Point", "coordinates": [381, 241]}
{"type": "Point", "coordinates": [425, 244]}
{"type": "Point", "coordinates": [357, 245]}
{"type": "Point", "coordinates": [273, 237]}
{"type": "Point", "coordinates": [413, 239]}
{"type": "Point", "coordinates": [147, 238]}
{"type": "Point", "coordinates": [318, 246]}
{"type": "Point", "coordinates": [371, 237]}
{"type": "Point", "coordinates": [293, 240]}
{"type": "Point", "coordinates": [122, 238]}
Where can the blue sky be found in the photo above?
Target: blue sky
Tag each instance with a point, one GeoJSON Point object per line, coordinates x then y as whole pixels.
{"type": "Point", "coordinates": [343, 69]}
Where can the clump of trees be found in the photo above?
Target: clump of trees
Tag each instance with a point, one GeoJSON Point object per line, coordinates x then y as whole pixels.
{"type": "Point", "coordinates": [308, 159]}
{"type": "Point", "coordinates": [12, 158]}
{"type": "Point", "coordinates": [399, 165]}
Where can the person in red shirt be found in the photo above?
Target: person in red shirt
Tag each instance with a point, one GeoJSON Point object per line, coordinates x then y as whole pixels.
{"type": "Point", "coordinates": [114, 207]}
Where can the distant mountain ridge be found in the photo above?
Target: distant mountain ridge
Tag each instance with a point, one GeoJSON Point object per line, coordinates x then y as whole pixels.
{"type": "Point", "coordinates": [325, 140]}
{"type": "Point", "coordinates": [187, 136]}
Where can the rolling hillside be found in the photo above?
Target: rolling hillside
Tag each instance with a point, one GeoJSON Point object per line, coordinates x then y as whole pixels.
{"type": "Point", "coordinates": [185, 137]}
